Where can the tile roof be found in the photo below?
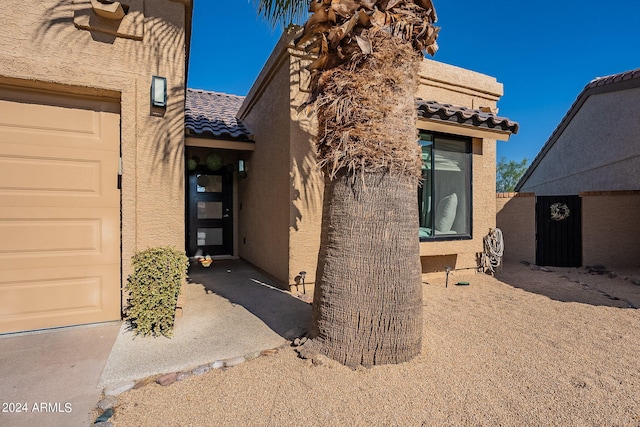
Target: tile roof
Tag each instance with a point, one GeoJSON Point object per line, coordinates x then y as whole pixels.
{"type": "Point", "coordinates": [621, 81]}
{"type": "Point", "coordinates": [213, 114]}
{"type": "Point", "coordinates": [463, 115]}
{"type": "Point", "coordinates": [615, 78]}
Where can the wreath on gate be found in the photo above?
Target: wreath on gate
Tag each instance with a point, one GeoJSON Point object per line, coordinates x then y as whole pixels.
{"type": "Point", "coordinates": [559, 211]}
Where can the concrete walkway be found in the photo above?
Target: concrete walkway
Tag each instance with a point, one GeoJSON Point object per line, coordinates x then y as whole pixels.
{"type": "Point", "coordinates": [231, 310]}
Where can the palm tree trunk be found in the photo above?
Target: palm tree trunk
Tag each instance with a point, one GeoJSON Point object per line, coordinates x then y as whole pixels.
{"type": "Point", "coordinates": [367, 307]}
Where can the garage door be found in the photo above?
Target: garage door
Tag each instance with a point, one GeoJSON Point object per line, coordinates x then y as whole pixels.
{"type": "Point", "coordinates": [59, 210]}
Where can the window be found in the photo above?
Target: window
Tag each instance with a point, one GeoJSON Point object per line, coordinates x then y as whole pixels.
{"type": "Point", "coordinates": [444, 198]}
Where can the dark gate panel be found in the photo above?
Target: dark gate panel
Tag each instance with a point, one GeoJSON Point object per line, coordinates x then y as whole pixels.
{"type": "Point", "coordinates": [559, 231]}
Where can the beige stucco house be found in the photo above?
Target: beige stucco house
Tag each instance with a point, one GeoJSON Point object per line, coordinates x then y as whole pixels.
{"type": "Point", "coordinates": [276, 208]}
{"type": "Point", "coordinates": [96, 163]}
{"type": "Point", "coordinates": [579, 200]}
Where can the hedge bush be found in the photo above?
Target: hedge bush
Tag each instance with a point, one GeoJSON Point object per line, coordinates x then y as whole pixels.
{"type": "Point", "coordinates": [153, 289]}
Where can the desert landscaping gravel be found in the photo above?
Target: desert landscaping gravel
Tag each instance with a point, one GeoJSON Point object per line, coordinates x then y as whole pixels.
{"type": "Point", "coordinates": [547, 348]}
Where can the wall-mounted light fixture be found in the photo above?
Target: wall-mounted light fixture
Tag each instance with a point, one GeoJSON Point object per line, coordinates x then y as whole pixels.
{"type": "Point", "coordinates": [242, 168]}
{"type": "Point", "coordinates": [159, 91]}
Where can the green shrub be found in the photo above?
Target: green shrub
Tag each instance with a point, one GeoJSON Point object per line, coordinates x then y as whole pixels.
{"type": "Point", "coordinates": [153, 289]}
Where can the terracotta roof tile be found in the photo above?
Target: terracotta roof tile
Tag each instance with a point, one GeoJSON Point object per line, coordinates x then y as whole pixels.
{"type": "Point", "coordinates": [464, 115]}
{"type": "Point", "coordinates": [614, 78]}
{"type": "Point", "coordinates": [213, 114]}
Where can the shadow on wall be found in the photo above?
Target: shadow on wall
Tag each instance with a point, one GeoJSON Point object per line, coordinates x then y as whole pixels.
{"type": "Point", "coordinates": [307, 186]}
{"type": "Point", "coordinates": [574, 285]}
{"type": "Point", "coordinates": [241, 284]}
{"type": "Point", "coordinates": [161, 51]}
{"type": "Point", "coordinates": [307, 178]}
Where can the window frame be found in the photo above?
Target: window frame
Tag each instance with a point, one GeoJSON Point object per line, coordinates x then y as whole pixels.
{"type": "Point", "coordinates": [468, 151]}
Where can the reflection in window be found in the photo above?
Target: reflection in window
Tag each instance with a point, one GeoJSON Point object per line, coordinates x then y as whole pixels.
{"type": "Point", "coordinates": [209, 183]}
{"type": "Point", "coordinates": [209, 210]}
{"type": "Point", "coordinates": [444, 198]}
{"type": "Point", "coordinates": [209, 236]}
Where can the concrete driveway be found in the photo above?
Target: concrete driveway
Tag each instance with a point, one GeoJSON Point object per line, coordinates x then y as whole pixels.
{"type": "Point", "coordinates": [56, 377]}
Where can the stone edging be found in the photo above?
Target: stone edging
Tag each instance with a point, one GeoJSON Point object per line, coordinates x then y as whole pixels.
{"type": "Point", "coordinates": [106, 406]}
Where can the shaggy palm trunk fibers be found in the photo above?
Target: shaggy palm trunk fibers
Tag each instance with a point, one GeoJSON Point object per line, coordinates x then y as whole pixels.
{"type": "Point", "coordinates": [367, 307]}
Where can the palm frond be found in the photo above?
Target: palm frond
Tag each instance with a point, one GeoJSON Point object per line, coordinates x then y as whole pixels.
{"type": "Point", "coordinates": [283, 12]}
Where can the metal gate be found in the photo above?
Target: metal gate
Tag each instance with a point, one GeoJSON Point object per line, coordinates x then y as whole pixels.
{"type": "Point", "coordinates": [559, 231]}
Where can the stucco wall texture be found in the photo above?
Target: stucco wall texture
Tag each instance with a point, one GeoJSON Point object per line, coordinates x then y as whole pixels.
{"type": "Point", "coordinates": [610, 232]}
{"type": "Point", "coordinates": [265, 195]}
{"type": "Point", "coordinates": [516, 219]}
{"type": "Point", "coordinates": [41, 47]}
{"type": "Point", "coordinates": [598, 150]}
{"type": "Point", "coordinates": [282, 215]}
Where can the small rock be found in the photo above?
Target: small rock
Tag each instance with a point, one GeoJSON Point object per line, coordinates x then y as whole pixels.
{"type": "Point", "coordinates": [183, 376]}
{"type": "Point", "coordinates": [167, 379]}
{"type": "Point", "coordinates": [612, 275]}
{"type": "Point", "coordinates": [296, 342]}
{"type": "Point", "coordinates": [234, 361]}
{"type": "Point", "coordinates": [319, 360]}
{"type": "Point", "coordinates": [107, 402]}
{"type": "Point", "coordinates": [596, 269]}
{"type": "Point", "coordinates": [105, 416]}
{"type": "Point", "coordinates": [217, 364]}
{"type": "Point", "coordinates": [269, 352]}
{"type": "Point", "coordinates": [144, 382]}
{"type": "Point", "coordinates": [119, 388]}
{"type": "Point", "coordinates": [201, 370]}
{"type": "Point", "coordinates": [252, 355]}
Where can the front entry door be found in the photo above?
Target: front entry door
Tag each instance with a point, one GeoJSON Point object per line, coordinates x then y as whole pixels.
{"type": "Point", "coordinates": [210, 228]}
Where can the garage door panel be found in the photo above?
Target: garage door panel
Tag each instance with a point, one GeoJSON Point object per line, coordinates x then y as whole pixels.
{"type": "Point", "coordinates": [52, 176]}
{"type": "Point", "coordinates": [59, 210]}
{"type": "Point", "coordinates": [74, 123]}
{"type": "Point", "coordinates": [49, 297]}
{"type": "Point", "coordinates": [50, 237]}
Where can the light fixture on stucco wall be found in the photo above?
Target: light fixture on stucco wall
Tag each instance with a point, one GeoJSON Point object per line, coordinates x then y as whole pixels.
{"type": "Point", "coordinates": [158, 91]}
{"type": "Point", "coordinates": [109, 9]}
{"type": "Point", "coordinates": [242, 168]}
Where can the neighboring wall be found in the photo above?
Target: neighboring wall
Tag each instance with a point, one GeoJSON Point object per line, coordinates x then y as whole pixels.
{"type": "Point", "coordinates": [43, 46]}
{"type": "Point", "coordinates": [599, 150]}
{"type": "Point", "coordinates": [516, 219]}
{"type": "Point", "coordinates": [610, 231]}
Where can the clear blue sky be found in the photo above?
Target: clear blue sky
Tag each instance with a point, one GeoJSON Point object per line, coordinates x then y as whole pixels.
{"type": "Point", "coordinates": [544, 52]}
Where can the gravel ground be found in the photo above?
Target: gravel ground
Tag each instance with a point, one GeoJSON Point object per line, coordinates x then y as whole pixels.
{"type": "Point", "coordinates": [535, 347]}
